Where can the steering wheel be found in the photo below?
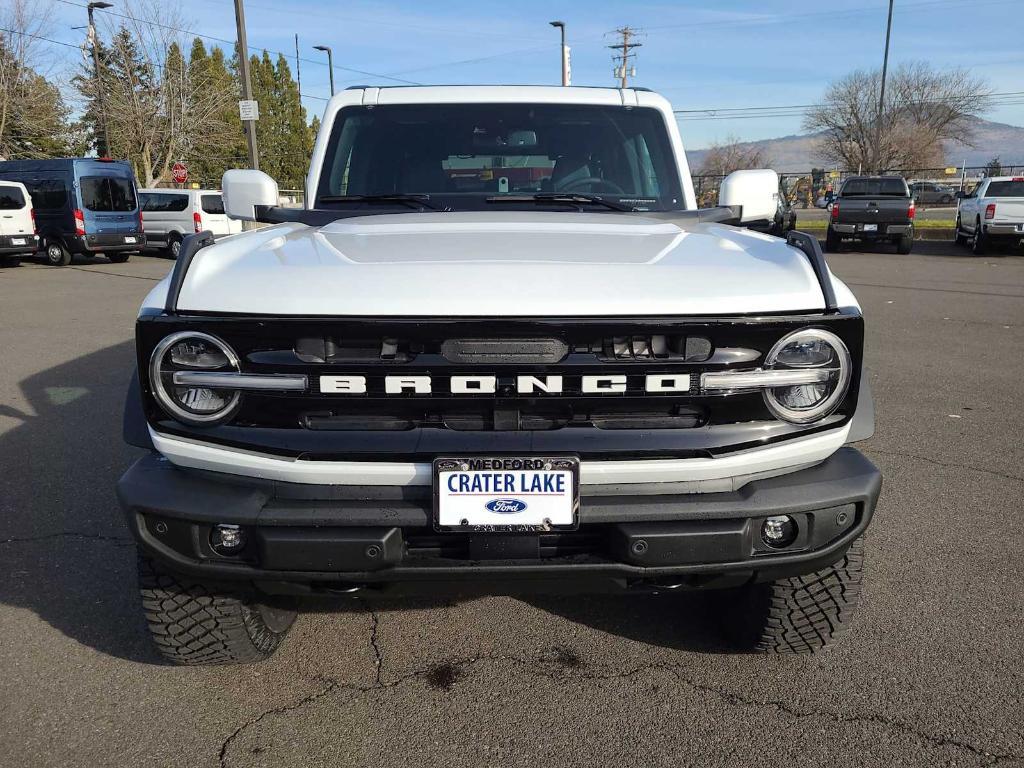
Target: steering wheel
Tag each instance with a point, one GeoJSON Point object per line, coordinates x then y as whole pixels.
{"type": "Point", "coordinates": [609, 186]}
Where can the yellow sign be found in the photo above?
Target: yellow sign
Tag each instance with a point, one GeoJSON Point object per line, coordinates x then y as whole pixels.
{"type": "Point", "coordinates": [950, 171]}
{"type": "Point", "coordinates": [833, 174]}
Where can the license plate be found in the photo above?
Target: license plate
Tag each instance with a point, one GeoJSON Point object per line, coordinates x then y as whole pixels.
{"type": "Point", "coordinates": [18, 241]}
{"type": "Point", "coordinates": [130, 239]}
{"type": "Point", "coordinates": [870, 227]}
{"type": "Point", "coordinates": [502, 494]}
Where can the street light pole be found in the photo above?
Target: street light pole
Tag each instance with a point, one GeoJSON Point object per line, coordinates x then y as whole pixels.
{"type": "Point", "coordinates": [881, 95]}
{"type": "Point", "coordinates": [561, 57]}
{"type": "Point", "coordinates": [102, 149]}
{"type": "Point", "coordinates": [330, 62]}
{"type": "Point", "coordinates": [248, 126]}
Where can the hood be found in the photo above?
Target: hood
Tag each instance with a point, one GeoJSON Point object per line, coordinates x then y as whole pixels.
{"type": "Point", "coordinates": [501, 263]}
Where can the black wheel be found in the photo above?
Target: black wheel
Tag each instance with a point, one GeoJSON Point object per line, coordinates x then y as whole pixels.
{"type": "Point", "coordinates": [832, 241]}
{"type": "Point", "coordinates": [173, 245]}
{"type": "Point", "coordinates": [207, 624]}
{"type": "Point", "coordinates": [12, 261]}
{"type": "Point", "coordinates": [905, 243]}
{"type": "Point", "coordinates": [979, 243]}
{"type": "Point", "coordinates": [56, 254]}
{"type": "Point", "coordinates": [118, 258]}
{"type": "Point", "coordinates": [958, 236]}
{"type": "Point", "coordinates": [801, 614]}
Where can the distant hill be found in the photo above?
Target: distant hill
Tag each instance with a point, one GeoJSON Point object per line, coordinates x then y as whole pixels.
{"type": "Point", "coordinates": [799, 152]}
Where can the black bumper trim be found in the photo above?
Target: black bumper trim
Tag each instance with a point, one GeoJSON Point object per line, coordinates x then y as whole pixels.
{"type": "Point", "coordinates": [153, 488]}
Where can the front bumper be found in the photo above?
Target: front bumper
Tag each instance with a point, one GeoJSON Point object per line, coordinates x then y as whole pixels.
{"type": "Point", "coordinates": [315, 538]}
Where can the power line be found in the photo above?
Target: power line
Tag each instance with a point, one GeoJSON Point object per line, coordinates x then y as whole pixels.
{"type": "Point", "coordinates": [628, 44]}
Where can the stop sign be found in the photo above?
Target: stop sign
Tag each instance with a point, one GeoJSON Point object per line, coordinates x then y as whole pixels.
{"type": "Point", "coordinates": [179, 172]}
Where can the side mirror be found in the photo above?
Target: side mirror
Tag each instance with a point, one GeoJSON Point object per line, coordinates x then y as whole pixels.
{"type": "Point", "coordinates": [243, 190]}
{"type": "Point", "coordinates": [757, 192]}
{"type": "Point", "coordinates": [959, 194]}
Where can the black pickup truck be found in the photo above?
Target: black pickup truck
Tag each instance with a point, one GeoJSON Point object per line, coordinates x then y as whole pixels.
{"type": "Point", "coordinates": [872, 209]}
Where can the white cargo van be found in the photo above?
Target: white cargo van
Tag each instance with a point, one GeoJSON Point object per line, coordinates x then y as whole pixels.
{"type": "Point", "coordinates": [17, 223]}
{"type": "Point", "coordinates": [171, 214]}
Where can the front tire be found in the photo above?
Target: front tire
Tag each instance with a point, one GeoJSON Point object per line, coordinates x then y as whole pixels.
{"type": "Point", "coordinates": [800, 614]}
{"type": "Point", "coordinates": [958, 235]}
{"type": "Point", "coordinates": [56, 254]}
{"type": "Point", "coordinates": [200, 624]}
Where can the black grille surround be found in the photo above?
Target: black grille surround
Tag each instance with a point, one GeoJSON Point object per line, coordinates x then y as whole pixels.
{"type": "Point", "coordinates": [411, 427]}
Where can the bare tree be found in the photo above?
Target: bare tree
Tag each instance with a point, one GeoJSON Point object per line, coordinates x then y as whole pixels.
{"type": "Point", "coordinates": [155, 112]}
{"type": "Point", "coordinates": [924, 108]}
{"type": "Point", "coordinates": [733, 155]}
{"type": "Point", "coordinates": [33, 117]}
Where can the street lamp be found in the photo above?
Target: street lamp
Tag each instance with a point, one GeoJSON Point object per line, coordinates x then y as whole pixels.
{"type": "Point", "coordinates": [103, 150]}
{"type": "Point", "coordinates": [561, 57]}
{"type": "Point", "coordinates": [330, 62]}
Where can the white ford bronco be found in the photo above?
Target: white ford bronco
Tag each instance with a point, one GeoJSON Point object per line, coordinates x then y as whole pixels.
{"type": "Point", "coordinates": [500, 350]}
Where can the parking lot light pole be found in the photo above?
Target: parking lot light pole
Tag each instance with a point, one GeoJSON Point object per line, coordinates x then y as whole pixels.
{"type": "Point", "coordinates": [561, 51]}
{"type": "Point", "coordinates": [248, 126]}
{"type": "Point", "coordinates": [330, 62]}
{"type": "Point", "coordinates": [102, 149]}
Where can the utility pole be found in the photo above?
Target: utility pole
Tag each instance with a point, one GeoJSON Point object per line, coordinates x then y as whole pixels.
{"type": "Point", "coordinates": [563, 59]}
{"type": "Point", "coordinates": [623, 71]}
{"type": "Point", "coordinates": [881, 95]}
{"type": "Point", "coordinates": [249, 126]}
{"type": "Point", "coordinates": [330, 61]}
{"type": "Point", "coordinates": [298, 69]}
{"type": "Point", "coordinates": [102, 148]}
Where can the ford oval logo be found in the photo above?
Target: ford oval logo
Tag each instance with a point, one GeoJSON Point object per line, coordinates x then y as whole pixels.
{"type": "Point", "coordinates": [506, 506]}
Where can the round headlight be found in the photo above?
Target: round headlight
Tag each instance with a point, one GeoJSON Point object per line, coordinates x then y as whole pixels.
{"type": "Point", "coordinates": [193, 351]}
{"type": "Point", "coordinates": [811, 349]}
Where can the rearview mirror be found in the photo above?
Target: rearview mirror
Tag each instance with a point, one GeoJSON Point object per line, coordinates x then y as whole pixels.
{"type": "Point", "coordinates": [243, 190]}
{"type": "Point", "coordinates": [757, 192]}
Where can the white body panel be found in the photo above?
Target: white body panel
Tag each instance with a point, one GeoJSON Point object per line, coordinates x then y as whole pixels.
{"type": "Point", "coordinates": [1009, 210]}
{"type": "Point", "coordinates": [16, 213]}
{"type": "Point", "coordinates": [502, 263]}
{"type": "Point", "coordinates": [726, 473]}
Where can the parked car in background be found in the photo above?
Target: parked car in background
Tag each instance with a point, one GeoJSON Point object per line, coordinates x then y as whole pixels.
{"type": "Point", "coordinates": [17, 224]}
{"type": "Point", "coordinates": [82, 205]}
{"type": "Point", "coordinates": [927, 193]}
{"type": "Point", "coordinates": [784, 220]}
{"type": "Point", "coordinates": [872, 209]}
{"type": "Point", "coordinates": [171, 214]}
{"type": "Point", "coordinates": [994, 211]}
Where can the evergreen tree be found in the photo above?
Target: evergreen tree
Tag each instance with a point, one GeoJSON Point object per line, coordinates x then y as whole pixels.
{"type": "Point", "coordinates": [214, 152]}
{"type": "Point", "coordinates": [282, 130]}
{"type": "Point", "coordinates": [33, 122]}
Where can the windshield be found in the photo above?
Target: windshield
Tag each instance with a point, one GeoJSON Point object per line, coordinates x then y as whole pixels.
{"type": "Point", "coordinates": [874, 188]}
{"type": "Point", "coordinates": [462, 154]}
{"type": "Point", "coordinates": [107, 193]}
{"type": "Point", "coordinates": [1013, 188]}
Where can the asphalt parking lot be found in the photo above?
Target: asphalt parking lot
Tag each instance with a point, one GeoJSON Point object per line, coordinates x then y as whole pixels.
{"type": "Point", "coordinates": [932, 673]}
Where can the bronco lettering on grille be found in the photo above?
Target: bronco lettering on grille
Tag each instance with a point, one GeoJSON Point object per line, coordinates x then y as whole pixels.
{"type": "Point", "coordinates": [488, 385]}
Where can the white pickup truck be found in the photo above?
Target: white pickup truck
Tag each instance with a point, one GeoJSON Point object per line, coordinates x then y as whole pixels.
{"type": "Point", "coordinates": [500, 349]}
{"type": "Point", "coordinates": [993, 212]}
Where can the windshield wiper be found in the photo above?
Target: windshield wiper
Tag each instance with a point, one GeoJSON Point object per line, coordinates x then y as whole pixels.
{"type": "Point", "coordinates": [572, 198]}
{"type": "Point", "coordinates": [412, 200]}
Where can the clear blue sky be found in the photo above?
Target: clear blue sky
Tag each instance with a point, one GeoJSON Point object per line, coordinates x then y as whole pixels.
{"type": "Point", "coordinates": [700, 54]}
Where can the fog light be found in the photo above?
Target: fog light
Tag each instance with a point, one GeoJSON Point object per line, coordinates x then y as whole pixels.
{"type": "Point", "coordinates": [779, 531]}
{"type": "Point", "coordinates": [227, 539]}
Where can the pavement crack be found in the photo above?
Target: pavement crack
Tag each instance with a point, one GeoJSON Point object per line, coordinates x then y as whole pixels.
{"type": "Point", "coordinates": [375, 643]}
{"type": "Point", "coordinates": [117, 274]}
{"type": "Point", "coordinates": [731, 697]}
{"type": "Point", "coordinates": [329, 685]}
{"type": "Point", "coordinates": [65, 535]}
{"type": "Point", "coordinates": [951, 465]}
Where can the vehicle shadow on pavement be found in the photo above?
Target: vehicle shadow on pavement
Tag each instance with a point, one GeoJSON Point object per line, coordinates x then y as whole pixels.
{"type": "Point", "coordinates": [65, 551]}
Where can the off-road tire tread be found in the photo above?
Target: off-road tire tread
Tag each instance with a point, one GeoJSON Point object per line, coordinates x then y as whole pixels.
{"type": "Point", "coordinates": [193, 623]}
{"type": "Point", "coordinates": [805, 614]}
